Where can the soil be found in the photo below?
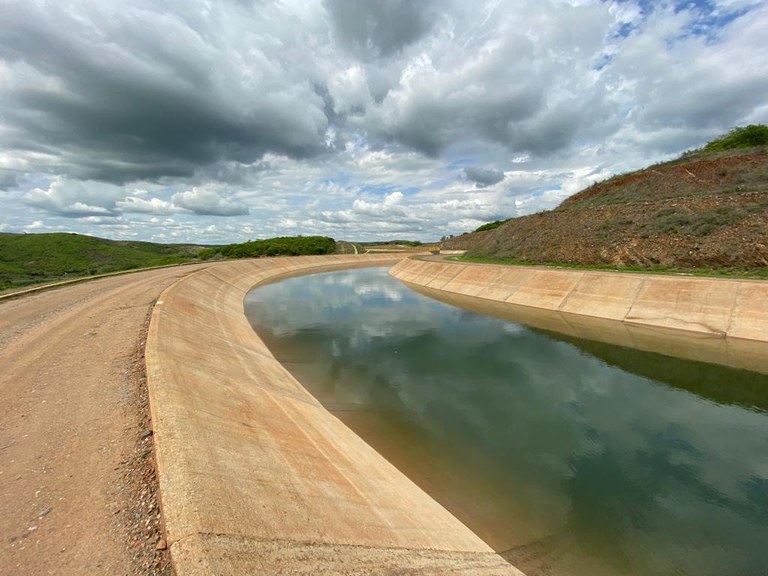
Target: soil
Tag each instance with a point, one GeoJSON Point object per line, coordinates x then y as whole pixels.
{"type": "Point", "coordinates": [78, 488]}
{"type": "Point", "coordinates": [702, 212]}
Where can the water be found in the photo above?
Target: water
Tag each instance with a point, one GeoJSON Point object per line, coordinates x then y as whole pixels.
{"type": "Point", "coordinates": [561, 460]}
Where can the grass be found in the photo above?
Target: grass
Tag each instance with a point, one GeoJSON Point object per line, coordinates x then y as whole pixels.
{"type": "Point", "coordinates": [492, 225]}
{"type": "Point", "coordinates": [756, 273]}
{"type": "Point", "coordinates": [721, 384]}
{"type": "Point", "coordinates": [744, 137]}
{"type": "Point", "coordinates": [27, 259]}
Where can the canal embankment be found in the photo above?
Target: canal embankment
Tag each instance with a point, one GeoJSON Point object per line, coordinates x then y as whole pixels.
{"type": "Point", "coordinates": [567, 456]}
{"type": "Point", "coordinates": [255, 475]}
{"type": "Point", "coordinates": [724, 321]}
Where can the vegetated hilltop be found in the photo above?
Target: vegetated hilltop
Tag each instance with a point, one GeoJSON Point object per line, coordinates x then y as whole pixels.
{"type": "Point", "coordinates": [283, 246]}
{"type": "Point", "coordinates": [32, 258]}
{"type": "Point", "coordinates": [35, 258]}
{"type": "Point", "coordinates": [706, 210]}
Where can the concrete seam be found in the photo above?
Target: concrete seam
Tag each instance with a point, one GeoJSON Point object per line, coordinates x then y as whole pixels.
{"type": "Point", "coordinates": [570, 293]}
{"type": "Point", "coordinates": [735, 308]}
{"type": "Point", "coordinates": [635, 296]}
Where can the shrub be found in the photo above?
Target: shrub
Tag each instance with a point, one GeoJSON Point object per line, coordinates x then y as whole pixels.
{"type": "Point", "coordinates": [492, 225]}
{"type": "Point", "coordinates": [284, 246]}
{"type": "Point", "coordinates": [746, 137]}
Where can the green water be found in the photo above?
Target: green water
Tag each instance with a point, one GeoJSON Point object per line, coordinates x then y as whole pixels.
{"type": "Point", "coordinates": [568, 457]}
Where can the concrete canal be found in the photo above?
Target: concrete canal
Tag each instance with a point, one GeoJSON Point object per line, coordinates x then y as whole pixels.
{"type": "Point", "coordinates": [569, 457]}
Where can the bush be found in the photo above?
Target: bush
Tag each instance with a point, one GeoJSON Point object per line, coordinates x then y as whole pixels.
{"type": "Point", "coordinates": [492, 225]}
{"type": "Point", "coordinates": [672, 221]}
{"type": "Point", "coordinates": [283, 246]}
{"type": "Point", "coordinates": [746, 137]}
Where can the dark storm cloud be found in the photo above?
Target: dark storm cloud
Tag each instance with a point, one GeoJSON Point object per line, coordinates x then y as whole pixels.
{"type": "Point", "coordinates": [430, 123]}
{"type": "Point", "coordinates": [382, 27]}
{"type": "Point", "coordinates": [483, 177]}
{"type": "Point", "coordinates": [140, 103]}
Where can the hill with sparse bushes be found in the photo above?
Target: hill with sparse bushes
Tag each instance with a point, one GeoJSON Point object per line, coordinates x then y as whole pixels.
{"type": "Point", "coordinates": [33, 258]}
{"type": "Point", "coordinates": [27, 259]}
{"type": "Point", "coordinates": [706, 210]}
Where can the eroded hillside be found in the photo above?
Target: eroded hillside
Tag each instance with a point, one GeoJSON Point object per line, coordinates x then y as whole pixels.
{"type": "Point", "coordinates": [706, 210]}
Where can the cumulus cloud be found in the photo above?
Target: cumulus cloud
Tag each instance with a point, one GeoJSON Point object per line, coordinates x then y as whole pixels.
{"type": "Point", "coordinates": [389, 209]}
{"type": "Point", "coordinates": [73, 198]}
{"type": "Point", "coordinates": [139, 205]}
{"type": "Point", "coordinates": [349, 90]}
{"type": "Point", "coordinates": [397, 213]}
{"type": "Point", "coordinates": [76, 199]}
{"type": "Point", "coordinates": [208, 202]}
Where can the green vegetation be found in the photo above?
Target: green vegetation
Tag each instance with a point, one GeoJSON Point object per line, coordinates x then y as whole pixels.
{"type": "Point", "coordinates": [283, 246]}
{"type": "Point", "coordinates": [34, 258]}
{"type": "Point", "coordinates": [711, 381]}
{"type": "Point", "coordinates": [746, 137]}
{"type": "Point", "coordinates": [491, 225]}
{"type": "Point", "coordinates": [759, 273]}
{"type": "Point", "coordinates": [37, 258]}
{"type": "Point", "coordinates": [673, 220]}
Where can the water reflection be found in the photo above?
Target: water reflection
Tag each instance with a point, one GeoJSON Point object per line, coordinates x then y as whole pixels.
{"type": "Point", "coordinates": [552, 453]}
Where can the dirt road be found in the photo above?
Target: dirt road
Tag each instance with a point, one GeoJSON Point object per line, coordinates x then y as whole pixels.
{"type": "Point", "coordinates": [77, 486]}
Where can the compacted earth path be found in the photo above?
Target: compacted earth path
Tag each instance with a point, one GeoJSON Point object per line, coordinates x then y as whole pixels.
{"type": "Point", "coordinates": [77, 479]}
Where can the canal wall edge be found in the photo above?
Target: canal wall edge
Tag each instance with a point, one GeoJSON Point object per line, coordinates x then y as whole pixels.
{"type": "Point", "coordinates": [255, 475]}
{"type": "Point", "coordinates": [726, 318]}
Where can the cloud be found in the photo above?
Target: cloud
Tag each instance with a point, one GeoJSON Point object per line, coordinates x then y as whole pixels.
{"type": "Point", "coordinates": [208, 202]}
{"type": "Point", "coordinates": [8, 180]}
{"type": "Point", "coordinates": [483, 177]}
{"type": "Point", "coordinates": [76, 199]}
{"type": "Point", "coordinates": [120, 92]}
{"type": "Point", "coordinates": [397, 213]}
{"type": "Point", "coordinates": [307, 116]}
{"type": "Point", "coordinates": [382, 28]}
{"type": "Point", "coordinates": [498, 80]}
{"type": "Point", "coordinates": [349, 90]}
{"type": "Point", "coordinates": [691, 97]}
{"type": "Point", "coordinates": [143, 206]}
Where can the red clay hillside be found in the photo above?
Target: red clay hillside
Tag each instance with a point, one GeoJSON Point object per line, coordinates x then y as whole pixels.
{"type": "Point", "coordinates": [706, 210]}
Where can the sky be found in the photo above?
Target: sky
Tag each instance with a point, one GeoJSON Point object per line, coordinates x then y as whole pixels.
{"type": "Point", "coordinates": [229, 120]}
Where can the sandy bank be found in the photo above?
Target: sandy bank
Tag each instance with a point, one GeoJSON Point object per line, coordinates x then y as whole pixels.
{"type": "Point", "coordinates": [255, 475]}
{"type": "Point", "coordinates": [712, 320]}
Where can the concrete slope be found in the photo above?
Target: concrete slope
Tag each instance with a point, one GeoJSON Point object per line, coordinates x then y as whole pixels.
{"type": "Point", "coordinates": [256, 477]}
{"type": "Point", "coordinates": [706, 319]}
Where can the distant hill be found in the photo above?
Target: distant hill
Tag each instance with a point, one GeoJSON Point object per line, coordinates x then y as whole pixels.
{"type": "Point", "coordinates": [33, 258]}
{"type": "Point", "coordinates": [706, 210]}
